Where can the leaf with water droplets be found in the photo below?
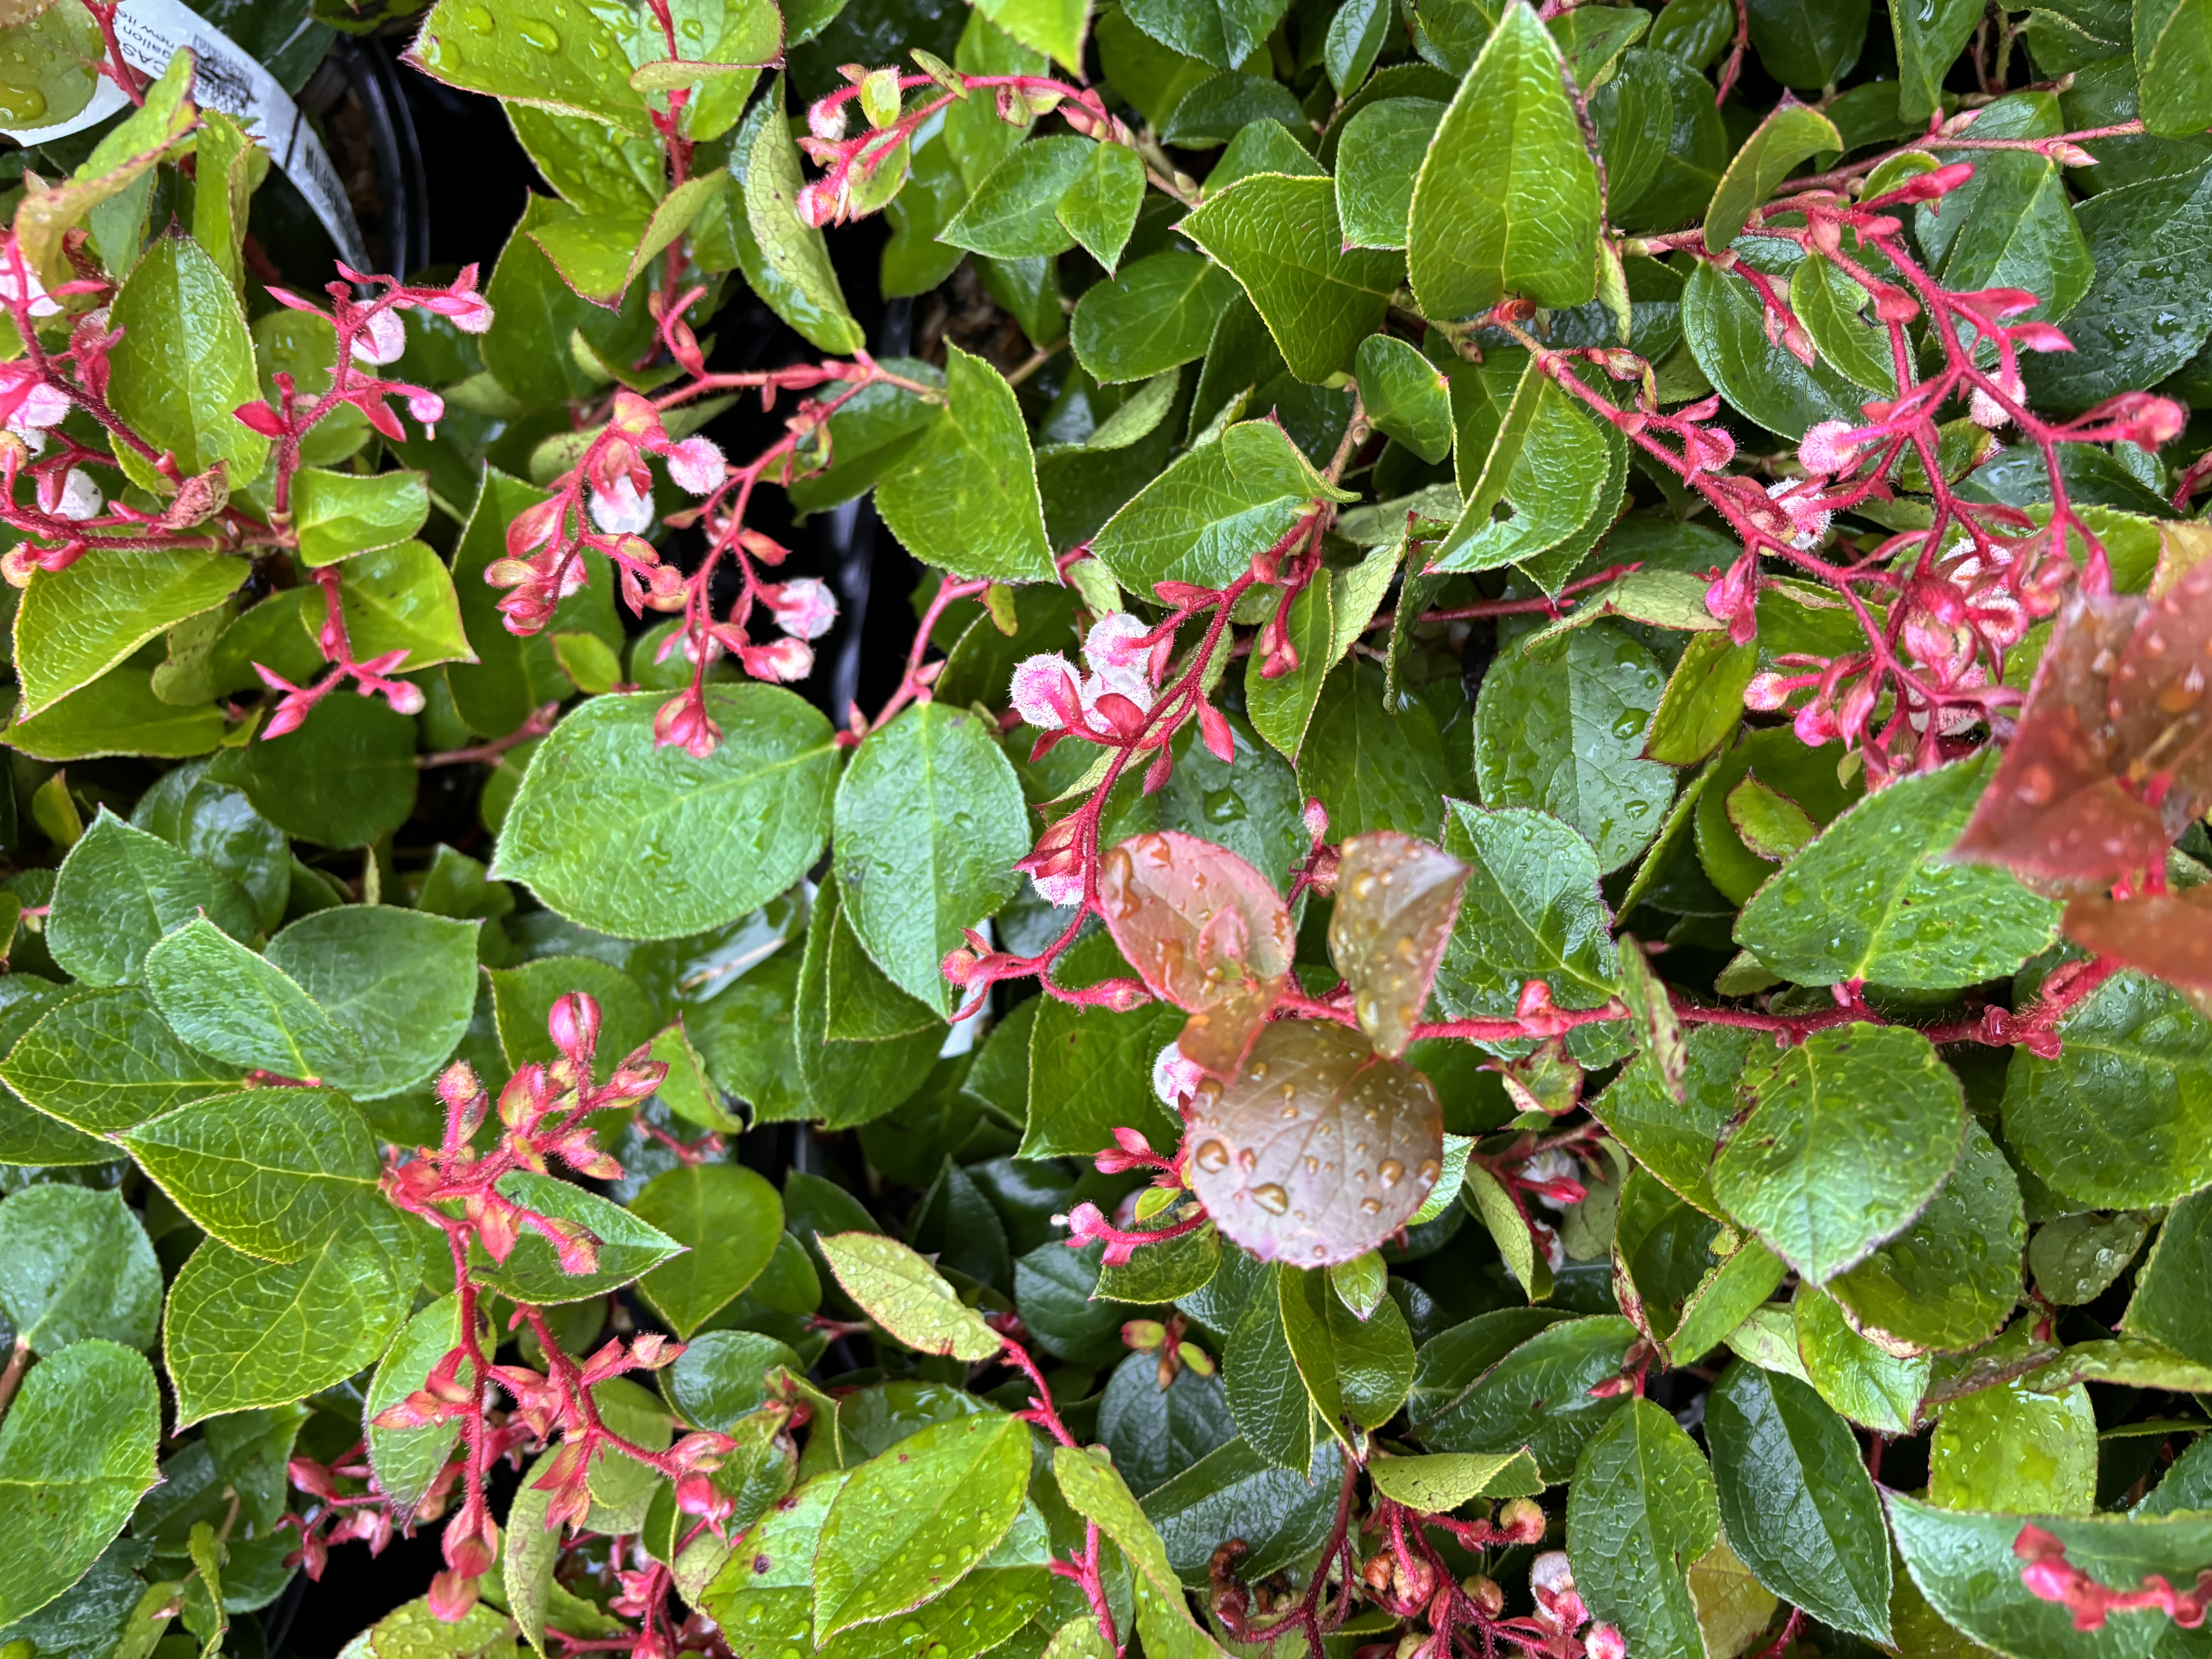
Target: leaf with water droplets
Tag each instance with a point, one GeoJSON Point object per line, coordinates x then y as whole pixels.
{"type": "Point", "coordinates": [2113, 756]}
{"type": "Point", "coordinates": [1396, 898]}
{"type": "Point", "coordinates": [910, 1524]}
{"type": "Point", "coordinates": [1205, 929]}
{"type": "Point", "coordinates": [901, 1292]}
{"type": "Point", "coordinates": [1850, 1133]}
{"type": "Point", "coordinates": [1318, 1149]}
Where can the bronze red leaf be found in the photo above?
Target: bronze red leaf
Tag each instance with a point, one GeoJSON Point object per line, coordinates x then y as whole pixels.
{"type": "Point", "coordinates": [1396, 898]}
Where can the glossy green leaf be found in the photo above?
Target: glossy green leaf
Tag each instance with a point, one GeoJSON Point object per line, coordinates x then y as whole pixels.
{"type": "Point", "coordinates": [240, 1332]}
{"type": "Point", "coordinates": [954, 1489]}
{"type": "Point", "coordinates": [992, 525]}
{"type": "Point", "coordinates": [1507, 201]}
{"type": "Point", "coordinates": [1531, 910]}
{"type": "Point", "coordinates": [901, 1292]}
{"type": "Point", "coordinates": [1552, 464]}
{"type": "Point", "coordinates": [75, 1266]}
{"type": "Point", "coordinates": [785, 259]}
{"type": "Point", "coordinates": [186, 362]}
{"type": "Point", "coordinates": [2121, 1118]}
{"type": "Point", "coordinates": [226, 1001]}
{"type": "Point", "coordinates": [407, 1462]}
{"type": "Point", "coordinates": [104, 1062]}
{"type": "Point", "coordinates": [1011, 215]}
{"type": "Point", "coordinates": [1725, 328]}
{"type": "Point", "coordinates": [2016, 1450]}
{"type": "Point", "coordinates": [1157, 314]}
{"type": "Point", "coordinates": [401, 982]}
{"type": "Point", "coordinates": [76, 1449]}
{"type": "Point", "coordinates": [341, 514]}
{"type": "Point", "coordinates": [345, 778]}
{"type": "Point", "coordinates": [600, 255]}
{"type": "Point", "coordinates": [1373, 767]}
{"type": "Point", "coordinates": [1099, 207]}
{"type": "Point", "coordinates": [1203, 520]}
{"type": "Point", "coordinates": [1537, 1395]}
{"type": "Point", "coordinates": [1356, 34]}
{"type": "Point", "coordinates": [2173, 66]}
{"type": "Point", "coordinates": [119, 890]}
{"type": "Point", "coordinates": [649, 842]}
{"type": "Point", "coordinates": [1850, 1133]}
{"type": "Point", "coordinates": [1793, 132]}
{"type": "Point", "coordinates": [729, 1220]}
{"type": "Point", "coordinates": [1796, 1500]}
{"type": "Point", "coordinates": [1808, 45]}
{"type": "Point", "coordinates": [1642, 1507]}
{"type": "Point", "coordinates": [1875, 1390]}
{"type": "Point", "coordinates": [1281, 708]}
{"type": "Point", "coordinates": [1405, 396]}
{"type": "Point", "coordinates": [264, 1170]}
{"type": "Point", "coordinates": [2172, 1281]}
{"type": "Point", "coordinates": [556, 54]}
{"type": "Point", "coordinates": [1279, 238]}
{"type": "Point", "coordinates": [75, 624]}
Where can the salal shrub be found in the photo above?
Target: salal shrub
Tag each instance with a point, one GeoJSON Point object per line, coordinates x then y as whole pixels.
{"type": "Point", "coordinates": [1519, 969]}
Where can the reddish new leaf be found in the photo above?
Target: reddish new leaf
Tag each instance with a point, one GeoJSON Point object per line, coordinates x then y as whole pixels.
{"type": "Point", "coordinates": [1395, 901]}
{"type": "Point", "coordinates": [2167, 935]}
{"type": "Point", "coordinates": [1204, 930]}
{"type": "Point", "coordinates": [2111, 761]}
{"type": "Point", "coordinates": [1318, 1149]}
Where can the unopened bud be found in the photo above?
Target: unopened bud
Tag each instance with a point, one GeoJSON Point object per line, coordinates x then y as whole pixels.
{"type": "Point", "coordinates": [1487, 1595]}
{"type": "Point", "coordinates": [1521, 1521]}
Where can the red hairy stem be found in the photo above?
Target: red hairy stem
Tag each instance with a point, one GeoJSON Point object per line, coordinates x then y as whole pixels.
{"type": "Point", "coordinates": [2050, 1576]}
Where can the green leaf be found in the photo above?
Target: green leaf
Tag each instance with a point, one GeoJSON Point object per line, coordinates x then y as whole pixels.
{"type": "Point", "coordinates": [75, 624]}
{"type": "Point", "coordinates": [1350, 1368]}
{"type": "Point", "coordinates": [1222, 32]}
{"type": "Point", "coordinates": [557, 54]}
{"type": "Point", "coordinates": [1378, 159]}
{"type": "Point", "coordinates": [2011, 225]}
{"type": "Point", "coordinates": [1094, 1489]}
{"type": "Point", "coordinates": [115, 168]}
{"type": "Point", "coordinates": [1356, 34]}
{"type": "Point", "coordinates": [722, 1375]}
{"type": "Point", "coordinates": [1158, 313]}
{"type": "Point", "coordinates": [647, 842]}
{"type": "Point", "coordinates": [75, 1266]}
{"type": "Point", "coordinates": [339, 514]}
{"type": "Point", "coordinates": [1279, 236]}
{"type": "Point", "coordinates": [407, 1461]}
{"type": "Point", "coordinates": [1966, 1566]}
{"type": "Point", "coordinates": [1952, 1277]}
{"type": "Point", "coordinates": [76, 1449]}
{"type": "Point", "coordinates": [401, 982]}
{"type": "Point", "coordinates": [2122, 1117]}
{"type": "Point", "coordinates": [1282, 1514]}
{"type": "Point", "coordinates": [1553, 464]}
{"type": "Point", "coordinates": [1664, 144]}
{"type": "Point", "coordinates": [590, 167]}
{"type": "Point", "coordinates": [785, 259]}
{"type": "Point", "coordinates": [966, 498]}
{"type": "Point", "coordinates": [219, 828]}
{"type": "Point", "coordinates": [1561, 729]}
{"type": "Point", "coordinates": [119, 890]}
{"type": "Point", "coordinates": [1281, 708]}
{"type": "Point", "coordinates": [600, 255]}
{"type": "Point", "coordinates": [116, 714]}
{"type": "Point", "coordinates": [1099, 207]}
{"type": "Point", "coordinates": [730, 1221]}
{"type": "Point", "coordinates": [845, 1081]}
{"type": "Point", "coordinates": [2143, 318]}
{"type": "Point", "coordinates": [1928, 39]}
{"type": "Point", "coordinates": [240, 1332]}
{"type": "Point", "coordinates": [629, 1246]}
{"type": "Point", "coordinates": [929, 821]}
{"type": "Point", "coordinates": [523, 997]}
{"type": "Point", "coordinates": [536, 308]}
{"type": "Point", "coordinates": [953, 1490]}
{"type": "Point", "coordinates": [264, 1169]}
{"type": "Point", "coordinates": [2171, 1283]}
{"type": "Point", "coordinates": [1796, 1502]}
{"type": "Point", "coordinates": [1369, 766]}
{"type": "Point", "coordinates": [901, 1292]}
{"type": "Point", "coordinates": [1484, 1193]}
{"type": "Point", "coordinates": [1531, 910]}
{"type": "Point", "coordinates": [1010, 214]}
{"type": "Point", "coordinates": [1703, 704]}
{"type": "Point", "coordinates": [227, 1002]}
{"type": "Point", "coordinates": [1725, 331]}
{"type": "Point", "coordinates": [1872, 897]}
{"type": "Point", "coordinates": [1641, 1510]}
{"type": "Point", "coordinates": [185, 362]}
{"type": "Point", "coordinates": [1873, 1389]}
{"type": "Point", "coordinates": [1850, 1133]}
{"type": "Point", "coordinates": [2174, 65]}
{"type": "Point", "coordinates": [1405, 396]}
{"type": "Point", "coordinates": [1442, 1481]}
{"type": "Point", "coordinates": [1831, 307]}
{"type": "Point", "coordinates": [1786, 137]}
{"type": "Point", "coordinates": [1507, 201]}
{"type": "Point", "coordinates": [345, 778]}
{"type": "Point", "coordinates": [103, 1061]}
{"type": "Point", "coordinates": [1053, 27]}
{"type": "Point", "coordinates": [1538, 1395]}
{"type": "Point", "coordinates": [2014, 1449]}
{"type": "Point", "coordinates": [1808, 45]}
{"type": "Point", "coordinates": [1203, 520]}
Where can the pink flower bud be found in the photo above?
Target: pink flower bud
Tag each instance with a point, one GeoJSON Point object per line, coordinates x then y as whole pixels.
{"type": "Point", "coordinates": [427, 407]}
{"type": "Point", "coordinates": [1214, 726]}
{"type": "Point", "coordinates": [259, 417]}
{"type": "Point", "coordinates": [574, 1024]}
{"type": "Point", "coordinates": [1044, 692]}
{"type": "Point", "coordinates": [622, 509]}
{"type": "Point", "coordinates": [1604, 1642]}
{"type": "Point", "coordinates": [382, 340]}
{"type": "Point", "coordinates": [1766, 692]}
{"type": "Point", "coordinates": [1175, 1080]}
{"type": "Point", "coordinates": [1828, 449]}
{"type": "Point", "coordinates": [682, 723]}
{"type": "Point", "coordinates": [784, 660]}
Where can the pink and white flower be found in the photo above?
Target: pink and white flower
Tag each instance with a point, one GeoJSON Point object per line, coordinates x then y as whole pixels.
{"type": "Point", "coordinates": [697, 464]}
{"type": "Point", "coordinates": [382, 339]}
{"type": "Point", "coordinates": [621, 510]}
{"type": "Point", "coordinates": [803, 606]}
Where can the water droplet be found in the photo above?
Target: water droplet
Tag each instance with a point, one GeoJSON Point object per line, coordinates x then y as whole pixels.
{"type": "Point", "coordinates": [477, 18]}
{"type": "Point", "coordinates": [1371, 1206]}
{"type": "Point", "coordinates": [538, 34]}
{"type": "Point", "coordinates": [1212, 1156]}
{"type": "Point", "coordinates": [1390, 1171]}
{"type": "Point", "coordinates": [1271, 1198]}
{"type": "Point", "coordinates": [20, 105]}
